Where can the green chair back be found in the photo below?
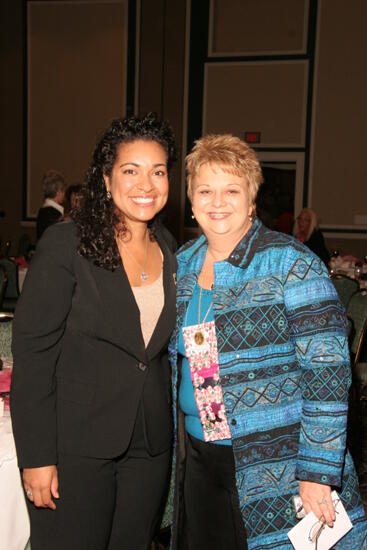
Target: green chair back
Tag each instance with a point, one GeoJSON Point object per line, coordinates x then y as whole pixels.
{"type": "Point", "coordinates": [345, 287]}
{"type": "Point", "coordinates": [12, 291]}
{"type": "Point", "coordinates": [12, 271]}
{"type": "Point", "coordinates": [357, 312]}
{"type": "Point", "coordinates": [3, 283]}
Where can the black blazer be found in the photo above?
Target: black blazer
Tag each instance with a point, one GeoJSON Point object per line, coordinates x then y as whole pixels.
{"type": "Point", "coordinates": [316, 243]}
{"type": "Point", "coordinates": [47, 215]}
{"type": "Point", "coordinates": [80, 364]}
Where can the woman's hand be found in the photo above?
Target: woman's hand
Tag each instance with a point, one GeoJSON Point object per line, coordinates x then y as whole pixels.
{"type": "Point", "coordinates": [317, 497]}
{"type": "Point", "coordinates": [41, 485]}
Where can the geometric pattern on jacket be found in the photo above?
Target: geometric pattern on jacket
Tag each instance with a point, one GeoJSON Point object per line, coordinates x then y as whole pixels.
{"type": "Point", "coordinates": [285, 372]}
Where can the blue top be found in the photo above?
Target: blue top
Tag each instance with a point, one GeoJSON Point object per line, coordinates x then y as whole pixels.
{"type": "Point", "coordinates": [284, 364]}
{"type": "Point", "coordinates": [186, 391]}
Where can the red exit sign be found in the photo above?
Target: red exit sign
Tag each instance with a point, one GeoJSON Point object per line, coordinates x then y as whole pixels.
{"type": "Point", "coordinates": [252, 137]}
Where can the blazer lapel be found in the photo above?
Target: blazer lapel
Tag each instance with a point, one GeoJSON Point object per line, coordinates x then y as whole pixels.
{"type": "Point", "coordinates": [119, 316]}
{"type": "Point", "coordinates": [167, 318]}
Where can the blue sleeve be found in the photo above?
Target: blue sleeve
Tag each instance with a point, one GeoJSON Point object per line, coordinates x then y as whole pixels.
{"type": "Point", "coordinates": [317, 324]}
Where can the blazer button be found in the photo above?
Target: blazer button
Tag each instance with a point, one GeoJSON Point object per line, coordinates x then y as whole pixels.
{"type": "Point", "coordinates": [142, 367]}
{"type": "Point", "coordinates": [233, 421]}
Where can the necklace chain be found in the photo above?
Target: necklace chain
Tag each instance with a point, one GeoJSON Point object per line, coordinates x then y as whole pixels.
{"type": "Point", "coordinates": [199, 309]}
{"type": "Point", "coordinates": [143, 275]}
{"type": "Point", "coordinates": [199, 306]}
{"type": "Point", "coordinates": [199, 312]}
{"type": "Point", "coordinates": [201, 293]}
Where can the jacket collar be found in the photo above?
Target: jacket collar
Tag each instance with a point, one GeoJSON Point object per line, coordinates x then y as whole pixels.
{"type": "Point", "coordinates": [241, 256]}
{"type": "Point", "coordinates": [53, 204]}
{"type": "Point", "coordinates": [167, 318]}
{"type": "Point", "coordinates": [119, 321]}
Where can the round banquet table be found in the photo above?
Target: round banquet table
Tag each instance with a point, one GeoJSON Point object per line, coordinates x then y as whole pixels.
{"type": "Point", "coordinates": [338, 267]}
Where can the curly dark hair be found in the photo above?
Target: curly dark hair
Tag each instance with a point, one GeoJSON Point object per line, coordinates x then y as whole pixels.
{"type": "Point", "coordinates": [99, 220]}
{"type": "Point", "coordinates": [74, 189]}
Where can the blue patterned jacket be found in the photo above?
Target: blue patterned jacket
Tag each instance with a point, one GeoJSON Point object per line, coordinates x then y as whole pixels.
{"type": "Point", "coordinates": [284, 365]}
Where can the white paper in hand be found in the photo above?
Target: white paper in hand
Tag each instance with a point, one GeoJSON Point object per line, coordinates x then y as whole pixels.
{"type": "Point", "coordinates": [310, 530]}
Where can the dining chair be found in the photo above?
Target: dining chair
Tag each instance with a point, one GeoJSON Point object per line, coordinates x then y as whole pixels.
{"type": "Point", "coordinates": [3, 283]}
{"type": "Point", "coordinates": [11, 291]}
{"type": "Point", "coordinates": [357, 423]}
{"type": "Point", "coordinates": [345, 287]}
{"type": "Point", "coordinates": [357, 312]}
{"type": "Point", "coordinates": [7, 249]}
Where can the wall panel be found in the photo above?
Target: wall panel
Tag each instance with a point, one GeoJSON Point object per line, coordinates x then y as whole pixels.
{"type": "Point", "coordinates": [76, 84]}
{"type": "Point", "coordinates": [269, 97]}
{"type": "Point", "coordinates": [258, 27]}
{"type": "Point", "coordinates": [338, 174]}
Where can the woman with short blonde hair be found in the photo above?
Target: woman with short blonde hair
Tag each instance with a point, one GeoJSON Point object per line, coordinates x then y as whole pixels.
{"type": "Point", "coordinates": [307, 231]}
{"type": "Point", "coordinates": [260, 368]}
{"type": "Point", "coordinates": [231, 154]}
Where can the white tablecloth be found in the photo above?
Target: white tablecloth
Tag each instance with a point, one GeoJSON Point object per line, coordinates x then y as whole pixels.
{"type": "Point", "coordinates": [22, 272]}
{"type": "Point", "coordinates": [14, 522]}
{"type": "Point", "coordinates": [349, 272]}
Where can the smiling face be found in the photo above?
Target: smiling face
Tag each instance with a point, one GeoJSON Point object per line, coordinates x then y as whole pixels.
{"type": "Point", "coordinates": [139, 180]}
{"type": "Point", "coordinates": [220, 203]}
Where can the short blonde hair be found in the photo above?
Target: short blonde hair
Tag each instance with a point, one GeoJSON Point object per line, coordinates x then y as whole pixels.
{"type": "Point", "coordinates": [313, 223]}
{"type": "Point", "coordinates": [231, 154]}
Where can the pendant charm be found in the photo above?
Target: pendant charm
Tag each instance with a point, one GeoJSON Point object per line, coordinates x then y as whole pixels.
{"type": "Point", "coordinates": [202, 352]}
{"type": "Point", "coordinates": [143, 276]}
{"type": "Point", "coordinates": [199, 338]}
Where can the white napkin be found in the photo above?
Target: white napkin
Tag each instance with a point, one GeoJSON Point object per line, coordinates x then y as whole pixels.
{"type": "Point", "coordinates": [303, 536]}
{"type": "Point", "coordinates": [7, 445]}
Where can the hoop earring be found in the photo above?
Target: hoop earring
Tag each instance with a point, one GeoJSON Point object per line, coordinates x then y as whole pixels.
{"type": "Point", "coordinates": [109, 196]}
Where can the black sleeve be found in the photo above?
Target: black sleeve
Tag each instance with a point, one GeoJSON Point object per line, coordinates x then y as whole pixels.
{"type": "Point", "coordinates": [46, 216]}
{"type": "Point", "coordinates": [316, 243]}
{"type": "Point", "coordinates": [38, 329]}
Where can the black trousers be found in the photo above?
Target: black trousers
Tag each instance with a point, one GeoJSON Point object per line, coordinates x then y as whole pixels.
{"type": "Point", "coordinates": [105, 504]}
{"type": "Point", "coordinates": [212, 517]}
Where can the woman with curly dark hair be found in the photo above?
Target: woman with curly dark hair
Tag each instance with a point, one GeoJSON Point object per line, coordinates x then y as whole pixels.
{"type": "Point", "coordinates": [73, 198]}
{"type": "Point", "coordinates": [90, 400]}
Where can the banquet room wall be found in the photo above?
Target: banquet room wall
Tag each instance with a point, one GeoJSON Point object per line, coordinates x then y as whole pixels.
{"type": "Point", "coordinates": [336, 170]}
{"type": "Point", "coordinates": [11, 116]}
{"type": "Point", "coordinates": [159, 84]}
{"type": "Point", "coordinates": [293, 72]}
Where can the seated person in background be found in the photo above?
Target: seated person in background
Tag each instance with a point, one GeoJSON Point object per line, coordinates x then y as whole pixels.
{"type": "Point", "coordinates": [306, 230]}
{"type": "Point", "coordinates": [73, 197]}
{"type": "Point", "coordinates": [54, 185]}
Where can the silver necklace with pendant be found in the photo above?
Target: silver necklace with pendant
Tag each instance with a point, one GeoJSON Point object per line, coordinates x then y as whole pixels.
{"type": "Point", "coordinates": [199, 336]}
{"type": "Point", "coordinates": [143, 275]}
